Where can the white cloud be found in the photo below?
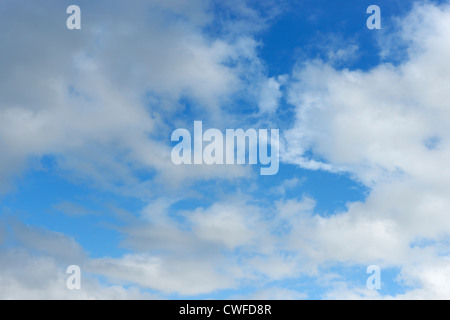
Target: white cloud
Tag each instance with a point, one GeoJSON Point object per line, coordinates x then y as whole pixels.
{"type": "Point", "coordinates": [100, 99]}
{"type": "Point", "coordinates": [96, 108]}
{"type": "Point", "coordinates": [189, 258]}
{"type": "Point", "coordinates": [30, 277]}
{"type": "Point", "coordinates": [273, 293]}
{"type": "Point", "coordinates": [377, 125]}
{"type": "Point", "coordinates": [429, 280]}
{"type": "Point", "coordinates": [207, 249]}
{"type": "Point", "coordinates": [227, 224]}
{"type": "Point", "coordinates": [36, 268]}
{"type": "Point", "coordinates": [178, 275]}
{"type": "Point", "coordinates": [393, 109]}
{"type": "Point", "coordinates": [271, 94]}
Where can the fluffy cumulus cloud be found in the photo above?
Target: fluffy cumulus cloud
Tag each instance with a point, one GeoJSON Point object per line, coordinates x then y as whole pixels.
{"type": "Point", "coordinates": [36, 267]}
{"type": "Point", "coordinates": [103, 103]}
{"type": "Point", "coordinates": [388, 127]}
{"type": "Point", "coordinates": [189, 258]}
{"type": "Point", "coordinates": [27, 276]}
{"type": "Point", "coordinates": [93, 98]}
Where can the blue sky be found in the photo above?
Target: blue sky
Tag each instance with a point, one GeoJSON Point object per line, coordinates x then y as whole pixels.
{"type": "Point", "coordinates": [86, 178]}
